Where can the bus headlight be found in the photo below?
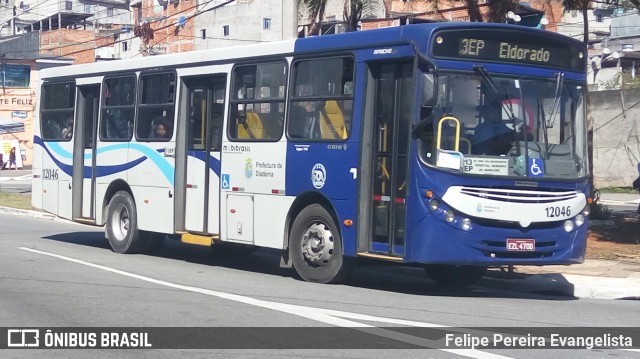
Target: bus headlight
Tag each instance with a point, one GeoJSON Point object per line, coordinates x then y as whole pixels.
{"type": "Point", "coordinates": [433, 204]}
{"type": "Point", "coordinates": [466, 224]}
{"type": "Point", "coordinates": [579, 220]}
{"type": "Point", "coordinates": [449, 216]}
{"type": "Point", "coordinates": [568, 226]}
{"type": "Point", "coordinates": [586, 211]}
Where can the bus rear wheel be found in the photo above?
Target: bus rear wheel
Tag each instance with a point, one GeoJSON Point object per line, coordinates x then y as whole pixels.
{"type": "Point", "coordinates": [453, 275]}
{"type": "Point", "coordinates": [122, 225]}
{"type": "Point", "coordinates": [315, 246]}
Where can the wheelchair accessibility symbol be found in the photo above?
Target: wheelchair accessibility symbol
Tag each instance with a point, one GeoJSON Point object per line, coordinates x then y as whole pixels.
{"type": "Point", "coordinates": [225, 181]}
{"type": "Point", "coordinates": [536, 167]}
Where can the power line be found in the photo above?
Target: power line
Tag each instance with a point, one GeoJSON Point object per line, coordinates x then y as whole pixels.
{"type": "Point", "coordinates": [150, 22]}
{"type": "Point", "coordinates": [163, 27]}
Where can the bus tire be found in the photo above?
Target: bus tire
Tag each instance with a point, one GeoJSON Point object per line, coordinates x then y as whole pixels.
{"type": "Point", "coordinates": [454, 275]}
{"type": "Point", "coordinates": [122, 225]}
{"type": "Point", "coordinates": [315, 246]}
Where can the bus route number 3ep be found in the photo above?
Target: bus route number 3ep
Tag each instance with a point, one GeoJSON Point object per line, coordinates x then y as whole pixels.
{"type": "Point", "coordinates": [49, 173]}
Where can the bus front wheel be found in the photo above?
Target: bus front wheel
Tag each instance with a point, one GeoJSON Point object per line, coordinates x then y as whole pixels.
{"type": "Point", "coordinates": [453, 275]}
{"type": "Point", "coordinates": [122, 224]}
{"type": "Point", "coordinates": [315, 246]}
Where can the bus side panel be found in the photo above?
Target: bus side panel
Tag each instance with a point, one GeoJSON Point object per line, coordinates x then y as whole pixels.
{"type": "Point", "coordinates": [151, 176]}
{"type": "Point", "coordinates": [111, 165]}
{"type": "Point", "coordinates": [257, 168]}
{"type": "Point", "coordinates": [101, 190]}
{"type": "Point", "coordinates": [330, 169]}
{"type": "Point", "coordinates": [56, 167]}
{"type": "Point", "coordinates": [64, 198]}
{"type": "Point", "coordinates": [154, 208]}
{"type": "Point", "coordinates": [36, 170]}
{"type": "Point", "coordinates": [269, 219]}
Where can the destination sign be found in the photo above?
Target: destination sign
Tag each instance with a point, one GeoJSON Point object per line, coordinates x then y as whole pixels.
{"type": "Point", "coordinates": [509, 47]}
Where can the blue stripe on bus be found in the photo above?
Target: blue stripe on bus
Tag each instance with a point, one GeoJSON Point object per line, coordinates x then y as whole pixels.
{"type": "Point", "coordinates": [214, 163]}
{"type": "Point", "coordinates": [163, 165]}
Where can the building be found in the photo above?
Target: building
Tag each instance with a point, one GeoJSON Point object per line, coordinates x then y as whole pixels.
{"type": "Point", "coordinates": [20, 63]}
{"type": "Point", "coordinates": [78, 29]}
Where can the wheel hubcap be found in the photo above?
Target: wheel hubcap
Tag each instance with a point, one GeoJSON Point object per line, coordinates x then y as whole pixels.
{"type": "Point", "coordinates": [317, 244]}
{"type": "Point", "coordinates": [120, 223]}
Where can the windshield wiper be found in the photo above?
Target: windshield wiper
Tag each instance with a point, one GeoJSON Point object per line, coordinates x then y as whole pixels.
{"type": "Point", "coordinates": [556, 98]}
{"type": "Point", "coordinates": [492, 90]}
{"type": "Point", "coordinates": [554, 110]}
{"type": "Point", "coordinates": [494, 94]}
{"type": "Point", "coordinates": [544, 128]}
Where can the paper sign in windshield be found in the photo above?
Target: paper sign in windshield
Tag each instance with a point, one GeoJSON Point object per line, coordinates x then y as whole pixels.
{"type": "Point", "coordinates": [486, 166]}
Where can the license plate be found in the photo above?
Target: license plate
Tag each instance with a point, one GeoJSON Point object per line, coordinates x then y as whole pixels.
{"type": "Point", "coordinates": [521, 245]}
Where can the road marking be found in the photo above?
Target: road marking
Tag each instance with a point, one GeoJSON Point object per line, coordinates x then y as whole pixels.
{"type": "Point", "coordinates": [327, 316]}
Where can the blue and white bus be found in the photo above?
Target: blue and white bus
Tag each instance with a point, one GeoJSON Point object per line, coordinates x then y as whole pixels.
{"type": "Point", "coordinates": [455, 147]}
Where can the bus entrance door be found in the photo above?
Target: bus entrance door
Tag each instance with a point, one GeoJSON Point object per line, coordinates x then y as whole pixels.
{"type": "Point", "coordinates": [84, 149]}
{"type": "Point", "coordinates": [392, 108]}
{"type": "Point", "coordinates": [205, 103]}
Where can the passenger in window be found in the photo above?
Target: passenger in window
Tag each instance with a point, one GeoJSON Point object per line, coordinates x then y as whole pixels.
{"type": "Point", "coordinates": [304, 120]}
{"type": "Point", "coordinates": [67, 131]}
{"type": "Point", "coordinates": [162, 131]}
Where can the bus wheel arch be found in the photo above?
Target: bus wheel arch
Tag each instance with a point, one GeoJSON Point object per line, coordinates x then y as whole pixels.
{"type": "Point", "coordinates": [301, 202]}
{"type": "Point", "coordinates": [115, 186]}
{"type": "Point", "coordinates": [315, 247]}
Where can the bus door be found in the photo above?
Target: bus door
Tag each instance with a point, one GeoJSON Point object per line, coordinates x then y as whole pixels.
{"type": "Point", "coordinates": [84, 152]}
{"type": "Point", "coordinates": [205, 104]}
{"type": "Point", "coordinates": [393, 96]}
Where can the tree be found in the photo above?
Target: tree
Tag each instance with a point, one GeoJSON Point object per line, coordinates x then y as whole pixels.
{"type": "Point", "coordinates": [581, 5]}
{"type": "Point", "coordinates": [355, 9]}
{"type": "Point", "coordinates": [315, 11]}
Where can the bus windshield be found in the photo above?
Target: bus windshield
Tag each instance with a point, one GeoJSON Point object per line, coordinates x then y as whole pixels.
{"type": "Point", "coordinates": [508, 126]}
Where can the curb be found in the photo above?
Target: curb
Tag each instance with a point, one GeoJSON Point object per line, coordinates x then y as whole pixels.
{"type": "Point", "coordinates": [572, 285]}
{"type": "Point", "coordinates": [634, 202]}
{"type": "Point", "coordinates": [31, 214]}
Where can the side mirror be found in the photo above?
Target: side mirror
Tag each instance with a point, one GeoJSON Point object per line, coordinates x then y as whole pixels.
{"type": "Point", "coordinates": [428, 90]}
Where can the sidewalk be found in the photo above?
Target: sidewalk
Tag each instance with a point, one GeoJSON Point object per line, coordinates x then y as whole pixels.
{"type": "Point", "coordinates": [16, 175]}
{"type": "Point", "coordinates": [595, 278]}
{"type": "Point", "coordinates": [620, 198]}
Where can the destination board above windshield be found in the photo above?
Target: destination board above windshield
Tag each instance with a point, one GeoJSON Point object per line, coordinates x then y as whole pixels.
{"type": "Point", "coordinates": [508, 46]}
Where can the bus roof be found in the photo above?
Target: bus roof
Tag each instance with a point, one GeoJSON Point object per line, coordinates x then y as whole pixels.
{"type": "Point", "coordinates": [400, 34]}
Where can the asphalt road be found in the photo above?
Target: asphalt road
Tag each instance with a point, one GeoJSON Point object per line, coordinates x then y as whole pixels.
{"type": "Point", "coordinates": [13, 181]}
{"type": "Point", "coordinates": [57, 274]}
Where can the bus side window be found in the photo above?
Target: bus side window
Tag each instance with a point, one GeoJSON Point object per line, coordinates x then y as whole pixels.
{"type": "Point", "coordinates": [332, 123]}
{"type": "Point", "coordinates": [56, 115]}
{"type": "Point", "coordinates": [257, 105]}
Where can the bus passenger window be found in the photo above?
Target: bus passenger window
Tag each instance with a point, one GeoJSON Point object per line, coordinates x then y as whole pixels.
{"type": "Point", "coordinates": [58, 101]}
{"type": "Point", "coordinates": [303, 120]}
{"type": "Point", "coordinates": [156, 107]}
{"type": "Point", "coordinates": [322, 99]}
{"type": "Point", "coordinates": [118, 108]}
{"type": "Point", "coordinates": [257, 105]}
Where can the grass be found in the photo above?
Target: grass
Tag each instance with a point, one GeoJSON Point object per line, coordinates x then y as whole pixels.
{"type": "Point", "coordinates": [15, 200]}
{"type": "Point", "coordinates": [617, 190]}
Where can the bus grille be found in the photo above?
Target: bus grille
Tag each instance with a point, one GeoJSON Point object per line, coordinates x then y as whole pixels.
{"type": "Point", "coordinates": [519, 195]}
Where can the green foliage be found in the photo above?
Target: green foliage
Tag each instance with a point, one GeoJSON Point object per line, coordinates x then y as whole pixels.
{"type": "Point", "coordinates": [598, 210]}
{"type": "Point", "coordinates": [622, 81]}
{"type": "Point", "coordinates": [617, 190]}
